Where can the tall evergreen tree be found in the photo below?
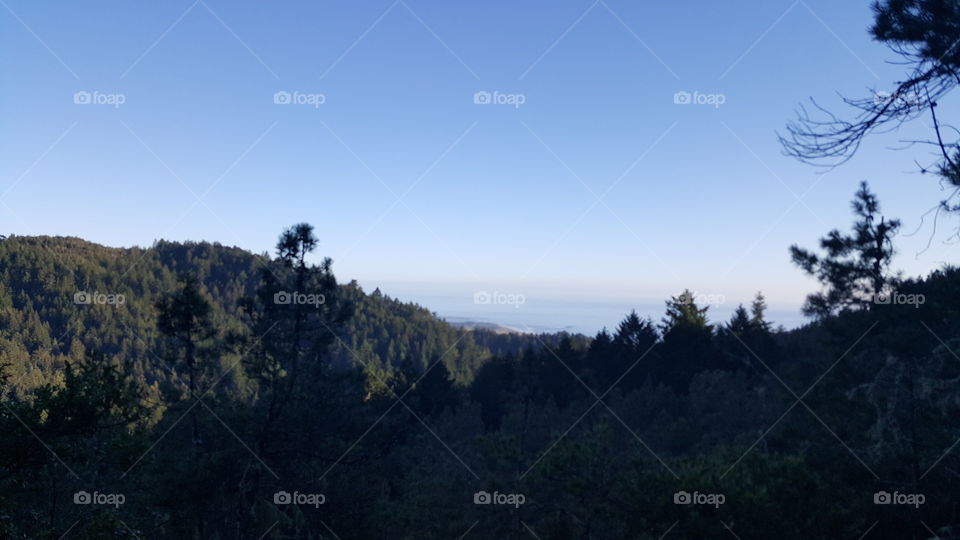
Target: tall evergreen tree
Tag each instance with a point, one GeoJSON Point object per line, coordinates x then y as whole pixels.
{"type": "Point", "coordinates": [687, 342]}
{"type": "Point", "coordinates": [683, 311]}
{"type": "Point", "coordinates": [632, 357]}
{"type": "Point", "coordinates": [746, 340]}
{"type": "Point", "coordinates": [635, 335]}
{"type": "Point", "coordinates": [185, 317]}
{"type": "Point", "coordinates": [758, 310]}
{"type": "Point", "coordinates": [855, 269]}
{"type": "Point", "coordinates": [740, 322]}
{"type": "Point", "coordinates": [294, 317]}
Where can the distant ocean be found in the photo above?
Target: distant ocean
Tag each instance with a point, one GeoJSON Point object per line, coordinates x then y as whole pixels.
{"type": "Point", "coordinates": [543, 314]}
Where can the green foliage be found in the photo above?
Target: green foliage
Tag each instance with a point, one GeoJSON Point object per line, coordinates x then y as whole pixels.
{"type": "Point", "coordinates": [399, 419]}
{"type": "Point", "coordinates": [41, 327]}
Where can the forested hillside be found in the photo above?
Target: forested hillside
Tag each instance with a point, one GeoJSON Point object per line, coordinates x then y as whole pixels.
{"type": "Point", "coordinates": [185, 388]}
{"type": "Point", "coordinates": [43, 326]}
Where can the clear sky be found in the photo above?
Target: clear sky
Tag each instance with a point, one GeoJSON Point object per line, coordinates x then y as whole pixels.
{"type": "Point", "coordinates": [582, 182]}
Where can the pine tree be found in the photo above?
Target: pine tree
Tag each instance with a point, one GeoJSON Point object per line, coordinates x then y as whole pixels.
{"type": "Point", "coordinates": [682, 311]}
{"type": "Point", "coordinates": [630, 356]}
{"type": "Point", "coordinates": [186, 318]}
{"type": "Point", "coordinates": [746, 341]}
{"type": "Point", "coordinates": [295, 314]}
{"type": "Point", "coordinates": [687, 342]}
{"type": "Point", "coordinates": [758, 310]}
{"type": "Point", "coordinates": [635, 335]}
{"type": "Point", "coordinates": [855, 270]}
{"type": "Point", "coordinates": [740, 322]}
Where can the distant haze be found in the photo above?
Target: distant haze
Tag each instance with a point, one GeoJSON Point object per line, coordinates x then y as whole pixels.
{"type": "Point", "coordinates": [550, 312]}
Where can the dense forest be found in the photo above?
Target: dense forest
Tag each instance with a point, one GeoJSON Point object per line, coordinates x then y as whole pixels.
{"type": "Point", "coordinates": [200, 391]}
{"type": "Point", "coordinates": [45, 327]}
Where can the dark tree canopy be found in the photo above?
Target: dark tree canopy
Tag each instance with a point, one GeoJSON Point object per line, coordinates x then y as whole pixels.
{"type": "Point", "coordinates": [577, 425]}
{"type": "Point", "coordinates": [925, 34]}
{"type": "Point", "coordinates": [855, 269]}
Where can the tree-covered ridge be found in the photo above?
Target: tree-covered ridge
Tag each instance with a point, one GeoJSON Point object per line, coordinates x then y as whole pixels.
{"type": "Point", "coordinates": [42, 326]}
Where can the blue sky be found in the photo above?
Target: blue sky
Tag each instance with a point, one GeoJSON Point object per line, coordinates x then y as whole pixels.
{"type": "Point", "coordinates": [597, 188]}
